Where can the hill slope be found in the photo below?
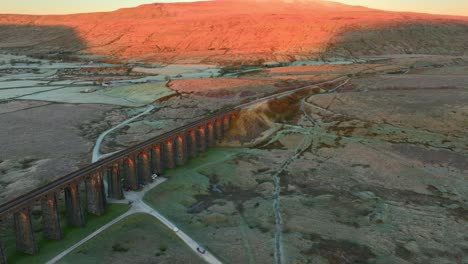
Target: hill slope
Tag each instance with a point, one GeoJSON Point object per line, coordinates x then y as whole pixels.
{"type": "Point", "coordinates": [225, 31]}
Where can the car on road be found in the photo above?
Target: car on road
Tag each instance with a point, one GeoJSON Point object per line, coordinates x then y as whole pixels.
{"type": "Point", "coordinates": [175, 229]}
{"type": "Point", "coordinates": [88, 91]}
{"type": "Point", "coordinates": [201, 250]}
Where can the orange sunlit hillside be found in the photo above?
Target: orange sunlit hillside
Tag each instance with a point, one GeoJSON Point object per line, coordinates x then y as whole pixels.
{"type": "Point", "coordinates": [218, 31]}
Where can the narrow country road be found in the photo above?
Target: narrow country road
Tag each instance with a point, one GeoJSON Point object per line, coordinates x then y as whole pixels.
{"type": "Point", "coordinates": [137, 202]}
{"type": "Point", "coordinates": [97, 146]}
{"type": "Point", "coordinates": [139, 206]}
{"type": "Point", "coordinates": [91, 236]}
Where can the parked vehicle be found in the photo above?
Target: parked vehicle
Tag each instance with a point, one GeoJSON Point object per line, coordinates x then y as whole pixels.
{"type": "Point", "coordinates": [201, 250]}
{"type": "Point", "coordinates": [155, 175]}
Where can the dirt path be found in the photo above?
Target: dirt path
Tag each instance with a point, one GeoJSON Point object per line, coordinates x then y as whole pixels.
{"type": "Point", "coordinates": [306, 142]}
{"type": "Point", "coordinates": [301, 148]}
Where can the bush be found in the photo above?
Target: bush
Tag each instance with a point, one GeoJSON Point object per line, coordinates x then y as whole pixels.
{"type": "Point", "coordinates": [163, 248]}
{"type": "Point", "coordinates": [119, 248]}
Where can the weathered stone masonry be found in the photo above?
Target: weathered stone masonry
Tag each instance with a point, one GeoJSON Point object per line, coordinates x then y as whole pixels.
{"type": "Point", "coordinates": [127, 171]}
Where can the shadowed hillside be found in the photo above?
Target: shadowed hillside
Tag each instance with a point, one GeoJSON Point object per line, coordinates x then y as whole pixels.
{"type": "Point", "coordinates": [248, 31]}
{"type": "Point", "coordinates": [40, 40]}
{"type": "Point", "coordinates": [441, 38]}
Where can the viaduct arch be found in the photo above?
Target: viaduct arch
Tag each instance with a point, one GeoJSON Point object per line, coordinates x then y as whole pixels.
{"type": "Point", "coordinates": [125, 169]}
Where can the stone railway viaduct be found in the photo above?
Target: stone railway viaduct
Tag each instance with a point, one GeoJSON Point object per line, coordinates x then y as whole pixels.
{"type": "Point", "coordinates": [125, 169]}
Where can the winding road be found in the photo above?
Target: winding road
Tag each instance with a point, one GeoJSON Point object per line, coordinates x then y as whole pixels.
{"type": "Point", "coordinates": [97, 146]}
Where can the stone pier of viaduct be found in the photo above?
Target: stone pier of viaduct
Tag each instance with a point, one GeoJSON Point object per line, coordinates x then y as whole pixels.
{"type": "Point", "coordinates": [128, 169]}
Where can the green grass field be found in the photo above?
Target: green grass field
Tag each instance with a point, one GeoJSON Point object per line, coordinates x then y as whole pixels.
{"type": "Point", "coordinates": [50, 248]}
{"type": "Point", "coordinates": [139, 238]}
{"type": "Point", "coordinates": [172, 197]}
{"type": "Point", "coordinates": [226, 223]}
